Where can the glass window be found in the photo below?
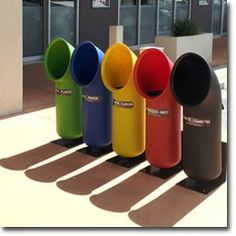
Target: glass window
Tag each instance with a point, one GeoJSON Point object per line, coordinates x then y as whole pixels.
{"type": "Point", "coordinates": [216, 16]}
{"type": "Point", "coordinates": [148, 21]}
{"type": "Point", "coordinates": [33, 28]}
{"type": "Point", "coordinates": [182, 7]}
{"type": "Point", "coordinates": [62, 20]}
{"type": "Point", "coordinates": [128, 18]}
{"type": "Point", "coordinates": [165, 17]}
{"type": "Point", "coordinates": [225, 17]}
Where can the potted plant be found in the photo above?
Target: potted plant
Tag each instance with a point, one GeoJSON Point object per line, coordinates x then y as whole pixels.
{"type": "Point", "coordinates": [185, 38]}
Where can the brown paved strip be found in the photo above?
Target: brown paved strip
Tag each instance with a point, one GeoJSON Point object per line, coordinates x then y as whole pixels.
{"type": "Point", "coordinates": [26, 159]}
{"type": "Point", "coordinates": [123, 196]}
{"type": "Point", "coordinates": [56, 169]}
{"type": "Point", "coordinates": [86, 182]}
{"type": "Point", "coordinates": [168, 209]}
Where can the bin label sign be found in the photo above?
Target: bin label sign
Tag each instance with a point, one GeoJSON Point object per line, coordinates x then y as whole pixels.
{"type": "Point", "coordinates": [63, 92]}
{"type": "Point", "coordinates": [92, 99]}
{"type": "Point", "coordinates": [155, 112]}
{"type": "Point", "coordinates": [196, 122]}
{"type": "Point", "coordinates": [123, 104]}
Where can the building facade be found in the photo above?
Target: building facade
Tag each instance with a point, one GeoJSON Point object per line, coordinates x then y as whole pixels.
{"type": "Point", "coordinates": [77, 20]}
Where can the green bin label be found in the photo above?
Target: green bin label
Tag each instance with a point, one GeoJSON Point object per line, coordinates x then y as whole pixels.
{"type": "Point", "coordinates": [63, 92]}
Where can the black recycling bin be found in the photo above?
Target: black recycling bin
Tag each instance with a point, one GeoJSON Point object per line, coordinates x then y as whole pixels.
{"type": "Point", "coordinates": [196, 87]}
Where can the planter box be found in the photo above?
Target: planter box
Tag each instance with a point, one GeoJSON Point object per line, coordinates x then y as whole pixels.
{"type": "Point", "coordinates": [176, 46]}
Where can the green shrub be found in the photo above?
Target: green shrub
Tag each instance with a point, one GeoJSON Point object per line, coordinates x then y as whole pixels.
{"type": "Point", "coordinates": [184, 28]}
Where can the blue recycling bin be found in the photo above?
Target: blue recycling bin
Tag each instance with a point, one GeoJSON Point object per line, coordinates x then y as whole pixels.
{"type": "Point", "coordinates": [97, 100]}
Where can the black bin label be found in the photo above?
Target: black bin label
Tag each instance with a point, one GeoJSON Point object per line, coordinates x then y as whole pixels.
{"type": "Point", "coordinates": [196, 122]}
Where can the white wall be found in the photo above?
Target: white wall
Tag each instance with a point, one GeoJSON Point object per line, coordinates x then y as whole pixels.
{"type": "Point", "coordinates": [11, 78]}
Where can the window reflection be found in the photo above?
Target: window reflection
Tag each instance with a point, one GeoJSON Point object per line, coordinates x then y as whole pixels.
{"type": "Point", "coordinates": [128, 18]}
{"type": "Point", "coordinates": [63, 20]}
{"type": "Point", "coordinates": [225, 17]}
{"type": "Point", "coordinates": [216, 16]}
{"type": "Point", "coordinates": [182, 7]}
{"type": "Point", "coordinates": [148, 21]}
{"type": "Point", "coordinates": [165, 17]}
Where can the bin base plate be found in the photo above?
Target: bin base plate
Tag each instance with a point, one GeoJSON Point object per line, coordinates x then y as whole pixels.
{"type": "Point", "coordinates": [163, 173]}
{"type": "Point", "coordinates": [206, 187]}
{"type": "Point", "coordinates": [96, 151]}
{"type": "Point", "coordinates": [68, 143]}
{"type": "Point", "coordinates": [127, 162]}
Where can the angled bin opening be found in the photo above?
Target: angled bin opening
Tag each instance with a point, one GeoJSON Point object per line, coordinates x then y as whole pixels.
{"type": "Point", "coordinates": [85, 63]}
{"type": "Point", "coordinates": [117, 67]}
{"type": "Point", "coordinates": [191, 80]}
{"type": "Point", "coordinates": [152, 73]}
{"type": "Point", "coordinates": [58, 59]}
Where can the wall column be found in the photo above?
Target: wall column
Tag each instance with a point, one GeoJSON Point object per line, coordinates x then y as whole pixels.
{"type": "Point", "coordinates": [11, 78]}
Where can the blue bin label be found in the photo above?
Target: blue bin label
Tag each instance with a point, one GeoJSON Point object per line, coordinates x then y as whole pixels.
{"type": "Point", "coordinates": [196, 122]}
{"type": "Point", "coordinates": [63, 92]}
{"type": "Point", "coordinates": [92, 99]}
{"type": "Point", "coordinates": [123, 104]}
{"type": "Point", "coordinates": [156, 112]}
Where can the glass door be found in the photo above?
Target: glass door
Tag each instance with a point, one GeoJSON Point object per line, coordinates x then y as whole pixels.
{"type": "Point", "coordinates": [219, 17]}
{"type": "Point", "coordinates": [129, 20]}
{"type": "Point", "coordinates": [62, 20]}
{"type": "Point", "coordinates": [224, 24]}
{"type": "Point", "coordinates": [44, 20]}
{"type": "Point", "coordinates": [33, 35]}
{"type": "Point", "coordinates": [148, 21]}
{"type": "Point", "coordinates": [165, 16]}
{"type": "Point", "coordinates": [216, 21]}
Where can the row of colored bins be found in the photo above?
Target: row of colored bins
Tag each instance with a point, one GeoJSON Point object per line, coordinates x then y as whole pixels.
{"type": "Point", "coordinates": [117, 88]}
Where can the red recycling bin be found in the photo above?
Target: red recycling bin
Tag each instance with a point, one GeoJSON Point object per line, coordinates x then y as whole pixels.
{"type": "Point", "coordinates": [163, 114]}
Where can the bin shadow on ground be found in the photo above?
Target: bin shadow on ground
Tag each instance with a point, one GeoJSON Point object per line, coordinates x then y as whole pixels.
{"type": "Point", "coordinates": [52, 171]}
{"type": "Point", "coordinates": [86, 182]}
{"type": "Point", "coordinates": [26, 159]}
{"type": "Point", "coordinates": [31, 157]}
{"type": "Point", "coordinates": [168, 209]}
{"type": "Point", "coordinates": [124, 195]}
{"type": "Point", "coordinates": [174, 204]}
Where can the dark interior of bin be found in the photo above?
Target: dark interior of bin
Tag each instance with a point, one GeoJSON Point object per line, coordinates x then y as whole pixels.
{"type": "Point", "coordinates": [85, 63]}
{"type": "Point", "coordinates": [191, 79]}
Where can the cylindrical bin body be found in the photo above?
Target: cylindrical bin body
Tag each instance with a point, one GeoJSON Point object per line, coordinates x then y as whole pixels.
{"type": "Point", "coordinates": [128, 111]}
{"type": "Point", "coordinates": [68, 93]}
{"type": "Point", "coordinates": [163, 114]}
{"type": "Point", "coordinates": [196, 87]}
{"type": "Point", "coordinates": [97, 100]}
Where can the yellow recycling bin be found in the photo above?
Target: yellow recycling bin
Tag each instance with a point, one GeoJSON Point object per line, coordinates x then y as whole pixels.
{"type": "Point", "coordinates": [128, 112]}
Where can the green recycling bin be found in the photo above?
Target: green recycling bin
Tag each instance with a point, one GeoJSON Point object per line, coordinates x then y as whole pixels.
{"type": "Point", "coordinates": [68, 94]}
